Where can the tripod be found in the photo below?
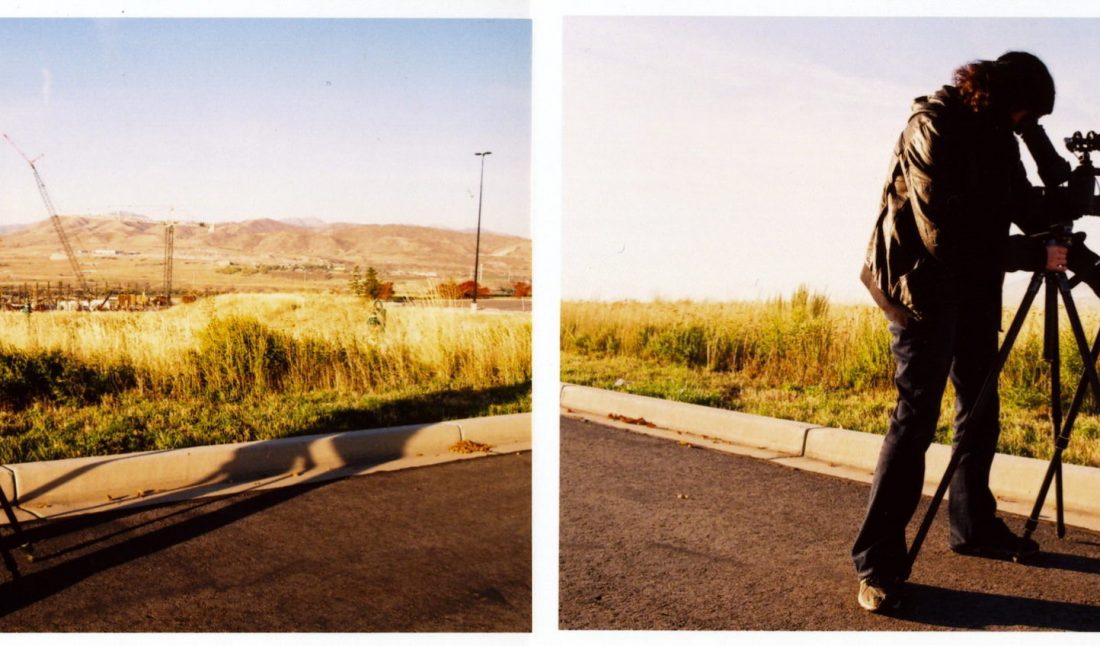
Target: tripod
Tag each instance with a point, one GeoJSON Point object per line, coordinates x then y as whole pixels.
{"type": "Point", "coordinates": [1056, 284]}
{"type": "Point", "coordinates": [17, 533]}
{"type": "Point", "coordinates": [1061, 437]}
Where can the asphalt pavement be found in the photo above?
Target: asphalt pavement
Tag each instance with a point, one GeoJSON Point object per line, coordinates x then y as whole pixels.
{"type": "Point", "coordinates": [440, 548]}
{"type": "Point", "coordinates": [659, 535]}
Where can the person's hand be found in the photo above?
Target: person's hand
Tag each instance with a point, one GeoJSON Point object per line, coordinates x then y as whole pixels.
{"type": "Point", "coordinates": [1023, 120]}
{"type": "Point", "coordinates": [1057, 256]}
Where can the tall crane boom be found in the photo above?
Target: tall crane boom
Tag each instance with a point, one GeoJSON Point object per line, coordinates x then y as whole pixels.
{"type": "Point", "coordinates": [55, 220]}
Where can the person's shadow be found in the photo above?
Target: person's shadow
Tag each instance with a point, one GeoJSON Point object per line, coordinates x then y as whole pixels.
{"type": "Point", "coordinates": [109, 545]}
{"type": "Point", "coordinates": [971, 610]}
{"type": "Point", "coordinates": [56, 569]}
{"type": "Point", "coordinates": [980, 610]}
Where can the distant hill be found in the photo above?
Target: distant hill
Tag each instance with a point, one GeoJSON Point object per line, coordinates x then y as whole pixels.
{"type": "Point", "coordinates": [11, 228]}
{"type": "Point", "coordinates": [309, 223]}
{"type": "Point", "coordinates": [395, 250]}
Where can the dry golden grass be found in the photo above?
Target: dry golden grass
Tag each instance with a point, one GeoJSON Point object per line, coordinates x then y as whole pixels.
{"type": "Point", "coordinates": [238, 368]}
{"type": "Point", "coordinates": [417, 342]}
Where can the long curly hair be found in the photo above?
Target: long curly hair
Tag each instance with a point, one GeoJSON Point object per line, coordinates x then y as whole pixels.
{"type": "Point", "coordinates": [975, 84]}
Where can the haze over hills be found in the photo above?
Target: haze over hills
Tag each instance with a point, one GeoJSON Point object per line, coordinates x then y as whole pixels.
{"type": "Point", "coordinates": [398, 252]}
{"type": "Point", "coordinates": [7, 228]}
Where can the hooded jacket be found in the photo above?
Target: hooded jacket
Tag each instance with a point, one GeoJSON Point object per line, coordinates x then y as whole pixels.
{"type": "Point", "coordinates": [954, 186]}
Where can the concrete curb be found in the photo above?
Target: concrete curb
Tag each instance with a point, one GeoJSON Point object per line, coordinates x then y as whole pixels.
{"type": "Point", "coordinates": [80, 485]}
{"type": "Point", "coordinates": [850, 454]}
{"type": "Point", "coordinates": [498, 431]}
{"type": "Point", "coordinates": [781, 436]}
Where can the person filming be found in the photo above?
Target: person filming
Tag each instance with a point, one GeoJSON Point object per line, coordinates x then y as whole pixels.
{"type": "Point", "coordinates": [936, 265]}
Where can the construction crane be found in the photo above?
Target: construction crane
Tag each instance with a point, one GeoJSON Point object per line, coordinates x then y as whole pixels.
{"type": "Point", "coordinates": [169, 255]}
{"type": "Point", "coordinates": [54, 219]}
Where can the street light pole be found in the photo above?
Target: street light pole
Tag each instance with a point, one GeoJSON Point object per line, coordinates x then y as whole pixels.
{"type": "Point", "coordinates": [477, 244]}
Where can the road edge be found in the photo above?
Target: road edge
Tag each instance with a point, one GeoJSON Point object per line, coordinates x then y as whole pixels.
{"type": "Point", "coordinates": [837, 452]}
{"type": "Point", "coordinates": [74, 486]}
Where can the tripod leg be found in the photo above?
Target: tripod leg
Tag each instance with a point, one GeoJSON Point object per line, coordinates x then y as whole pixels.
{"type": "Point", "coordinates": [9, 562]}
{"type": "Point", "coordinates": [17, 529]}
{"type": "Point", "coordinates": [1089, 359]}
{"type": "Point", "coordinates": [1087, 356]}
{"type": "Point", "coordinates": [1052, 352]}
{"type": "Point", "coordinates": [5, 553]}
{"type": "Point", "coordinates": [1088, 378]}
{"type": "Point", "coordinates": [1062, 441]}
{"type": "Point", "coordinates": [989, 386]}
{"type": "Point", "coordinates": [1060, 520]}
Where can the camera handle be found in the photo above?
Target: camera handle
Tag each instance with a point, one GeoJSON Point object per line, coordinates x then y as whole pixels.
{"type": "Point", "coordinates": [989, 388]}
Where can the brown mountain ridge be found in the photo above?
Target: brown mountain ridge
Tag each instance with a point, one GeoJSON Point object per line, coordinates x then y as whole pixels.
{"type": "Point", "coordinates": [121, 248]}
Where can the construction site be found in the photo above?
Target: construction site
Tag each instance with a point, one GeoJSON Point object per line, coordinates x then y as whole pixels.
{"type": "Point", "coordinates": [39, 297]}
{"type": "Point", "coordinates": [81, 294]}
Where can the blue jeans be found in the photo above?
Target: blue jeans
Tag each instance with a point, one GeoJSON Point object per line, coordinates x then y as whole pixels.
{"type": "Point", "coordinates": [958, 342]}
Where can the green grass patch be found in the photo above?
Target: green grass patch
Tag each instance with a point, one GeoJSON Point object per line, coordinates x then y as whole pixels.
{"type": "Point", "coordinates": [800, 359]}
{"type": "Point", "coordinates": [131, 422]}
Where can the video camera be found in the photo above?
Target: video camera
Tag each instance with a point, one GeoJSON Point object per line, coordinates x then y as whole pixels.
{"type": "Point", "coordinates": [1062, 204]}
{"type": "Point", "coordinates": [1068, 194]}
{"type": "Point", "coordinates": [1083, 144]}
{"type": "Point", "coordinates": [1080, 191]}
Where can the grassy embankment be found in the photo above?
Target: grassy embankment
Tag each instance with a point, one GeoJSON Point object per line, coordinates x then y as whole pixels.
{"type": "Point", "coordinates": [803, 359]}
{"type": "Point", "coordinates": [248, 367]}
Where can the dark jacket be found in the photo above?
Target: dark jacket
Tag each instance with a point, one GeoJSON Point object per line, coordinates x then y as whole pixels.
{"type": "Point", "coordinates": [954, 186]}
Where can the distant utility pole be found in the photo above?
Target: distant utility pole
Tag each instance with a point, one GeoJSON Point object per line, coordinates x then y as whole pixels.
{"type": "Point", "coordinates": [477, 245]}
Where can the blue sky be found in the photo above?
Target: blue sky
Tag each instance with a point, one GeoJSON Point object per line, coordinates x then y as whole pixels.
{"type": "Point", "coordinates": [356, 120]}
{"type": "Point", "coordinates": [738, 157]}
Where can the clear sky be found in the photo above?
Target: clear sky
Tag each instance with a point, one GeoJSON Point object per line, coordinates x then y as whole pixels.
{"type": "Point", "coordinates": [357, 120]}
{"type": "Point", "coordinates": [738, 157]}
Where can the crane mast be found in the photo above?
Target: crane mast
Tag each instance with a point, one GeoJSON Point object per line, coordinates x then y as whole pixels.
{"type": "Point", "coordinates": [55, 220]}
{"type": "Point", "coordinates": [169, 249]}
{"type": "Point", "coordinates": [169, 252]}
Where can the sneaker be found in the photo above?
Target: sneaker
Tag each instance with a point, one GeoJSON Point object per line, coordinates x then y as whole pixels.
{"type": "Point", "coordinates": [999, 542]}
{"type": "Point", "coordinates": [876, 597]}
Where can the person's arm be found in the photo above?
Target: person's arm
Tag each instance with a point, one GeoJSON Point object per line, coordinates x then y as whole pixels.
{"type": "Point", "coordinates": [933, 175]}
{"type": "Point", "coordinates": [1031, 252]}
{"type": "Point", "coordinates": [1053, 168]}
